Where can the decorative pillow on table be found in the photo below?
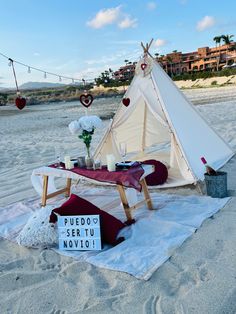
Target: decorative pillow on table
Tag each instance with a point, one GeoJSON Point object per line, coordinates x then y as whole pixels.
{"type": "Point", "coordinates": [75, 205]}
{"type": "Point", "coordinates": [38, 232]}
{"type": "Point", "coordinates": [159, 176]}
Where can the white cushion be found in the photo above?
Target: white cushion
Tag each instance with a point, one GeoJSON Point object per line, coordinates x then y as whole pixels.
{"type": "Point", "coordinates": [38, 232]}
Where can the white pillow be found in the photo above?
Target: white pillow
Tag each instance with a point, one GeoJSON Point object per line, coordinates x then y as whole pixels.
{"type": "Point", "coordinates": [38, 232]}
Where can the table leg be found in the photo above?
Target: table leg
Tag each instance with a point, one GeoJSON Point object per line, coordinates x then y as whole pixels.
{"type": "Point", "coordinates": [45, 190]}
{"type": "Point", "coordinates": [146, 194]}
{"type": "Point", "coordinates": [124, 202]}
{"type": "Point", "coordinates": [68, 186]}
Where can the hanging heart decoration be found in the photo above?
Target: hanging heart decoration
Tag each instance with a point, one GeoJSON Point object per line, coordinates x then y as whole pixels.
{"type": "Point", "coordinates": [143, 66]}
{"type": "Point", "coordinates": [126, 101]}
{"type": "Point", "coordinates": [20, 102]}
{"type": "Point", "coordinates": [86, 100]}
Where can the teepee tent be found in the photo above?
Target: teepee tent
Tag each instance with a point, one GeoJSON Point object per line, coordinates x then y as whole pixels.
{"type": "Point", "coordinates": [160, 123]}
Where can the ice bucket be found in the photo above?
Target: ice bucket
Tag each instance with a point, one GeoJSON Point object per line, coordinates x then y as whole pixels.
{"type": "Point", "coordinates": [216, 186]}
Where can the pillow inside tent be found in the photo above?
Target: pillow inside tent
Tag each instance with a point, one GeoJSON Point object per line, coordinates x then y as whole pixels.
{"type": "Point", "coordinates": [160, 174]}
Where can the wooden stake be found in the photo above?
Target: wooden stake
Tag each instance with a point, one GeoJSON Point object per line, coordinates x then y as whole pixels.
{"type": "Point", "coordinates": [146, 49]}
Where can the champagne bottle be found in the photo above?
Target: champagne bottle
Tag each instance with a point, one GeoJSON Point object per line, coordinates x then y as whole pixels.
{"type": "Point", "coordinates": [209, 170]}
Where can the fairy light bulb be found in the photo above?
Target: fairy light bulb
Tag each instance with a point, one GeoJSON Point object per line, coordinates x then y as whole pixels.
{"type": "Point", "coordinates": [45, 75]}
{"type": "Point", "coordinates": [59, 78]}
{"type": "Point", "coordinates": [29, 70]}
{"type": "Point", "coordinates": [73, 81]}
{"type": "Point", "coordinates": [10, 62]}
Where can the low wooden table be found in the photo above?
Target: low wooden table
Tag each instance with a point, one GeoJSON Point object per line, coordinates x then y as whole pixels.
{"type": "Point", "coordinates": [46, 172]}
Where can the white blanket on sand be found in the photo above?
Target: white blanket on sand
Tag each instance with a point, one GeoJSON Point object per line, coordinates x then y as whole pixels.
{"type": "Point", "coordinates": [149, 242]}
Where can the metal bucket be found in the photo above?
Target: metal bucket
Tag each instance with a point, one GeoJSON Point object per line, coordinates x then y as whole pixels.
{"type": "Point", "coordinates": [216, 186]}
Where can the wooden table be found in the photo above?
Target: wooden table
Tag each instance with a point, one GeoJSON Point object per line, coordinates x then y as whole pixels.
{"type": "Point", "coordinates": [47, 172]}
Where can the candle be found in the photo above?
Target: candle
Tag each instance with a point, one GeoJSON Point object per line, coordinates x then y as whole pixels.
{"type": "Point", "coordinates": [67, 162]}
{"type": "Point", "coordinates": [111, 164]}
{"type": "Point", "coordinates": [70, 164]}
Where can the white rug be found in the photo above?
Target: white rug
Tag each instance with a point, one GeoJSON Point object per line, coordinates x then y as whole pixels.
{"type": "Point", "coordinates": [149, 242]}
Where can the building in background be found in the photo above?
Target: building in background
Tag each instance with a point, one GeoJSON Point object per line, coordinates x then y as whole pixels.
{"type": "Point", "coordinates": [204, 59]}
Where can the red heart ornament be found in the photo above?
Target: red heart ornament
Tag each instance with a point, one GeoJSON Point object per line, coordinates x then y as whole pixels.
{"type": "Point", "coordinates": [126, 101]}
{"type": "Point", "coordinates": [20, 102]}
{"type": "Point", "coordinates": [143, 66]}
{"type": "Point", "coordinates": [86, 100]}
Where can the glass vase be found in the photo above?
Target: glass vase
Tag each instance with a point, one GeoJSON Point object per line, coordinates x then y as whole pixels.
{"type": "Point", "coordinates": [89, 162]}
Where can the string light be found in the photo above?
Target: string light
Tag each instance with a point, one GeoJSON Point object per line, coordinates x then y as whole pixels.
{"type": "Point", "coordinates": [10, 62]}
{"type": "Point", "coordinates": [45, 73]}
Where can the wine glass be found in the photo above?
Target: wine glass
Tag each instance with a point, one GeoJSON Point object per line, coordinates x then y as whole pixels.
{"type": "Point", "coordinates": [58, 156]}
{"type": "Point", "coordinates": [122, 150]}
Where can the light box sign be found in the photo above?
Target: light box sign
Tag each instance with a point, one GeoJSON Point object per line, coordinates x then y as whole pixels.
{"type": "Point", "coordinates": [79, 233]}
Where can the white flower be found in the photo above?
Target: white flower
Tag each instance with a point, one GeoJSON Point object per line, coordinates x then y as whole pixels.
{"type": "Point", "coordinates": [89, 123]}
{"type": "Point", "coordinates": [74, 127]}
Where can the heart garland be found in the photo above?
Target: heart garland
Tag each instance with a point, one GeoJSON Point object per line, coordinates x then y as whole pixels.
{"type": "Point", "coordinates": [143, 66]}
{"type": "Point", "coordinates": [86, 100]}
{"type": "Point", "coordinates": [126, 101]}
{"type": "Point", "coordinates": [20, 102]}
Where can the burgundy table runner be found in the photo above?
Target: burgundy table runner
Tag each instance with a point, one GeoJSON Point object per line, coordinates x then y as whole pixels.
{"type": "Point", "coordinates": [128, 178]}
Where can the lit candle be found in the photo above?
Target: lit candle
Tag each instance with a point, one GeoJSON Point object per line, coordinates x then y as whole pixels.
{"type": "Point", "coordinates": [111, 164]}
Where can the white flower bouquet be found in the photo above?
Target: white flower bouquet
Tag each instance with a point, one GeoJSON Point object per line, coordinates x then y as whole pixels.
{"type": "Point", "coordinates": [86, 124]}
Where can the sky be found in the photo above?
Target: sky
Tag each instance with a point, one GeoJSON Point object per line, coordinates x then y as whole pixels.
{"type": "Point", "coordinates": [81, 39]}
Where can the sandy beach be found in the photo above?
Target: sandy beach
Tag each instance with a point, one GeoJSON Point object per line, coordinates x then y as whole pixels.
{"type": "Point", "coordinates": [200, 277]}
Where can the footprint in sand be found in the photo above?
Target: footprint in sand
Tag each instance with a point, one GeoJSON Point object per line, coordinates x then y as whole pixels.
{"type": "Point", "coordinates": [150, 306]}
{"type": "Point", "coordinates": [55, 310]}
{"type": "Point", "coordinates": [182, 283]}
{"type": "Point", "coordinates": [204, 274]}
{"type": "Point", "coordinates": [48, 260]}
{"type": "Point", "coordinates": [16, 265]}
{"type": "Point", "coordinates": [215, 251]}
{"type": "Point", "coordinates": [13, 281]}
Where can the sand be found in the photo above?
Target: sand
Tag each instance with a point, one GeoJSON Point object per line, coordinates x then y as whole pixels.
{"type": "Point", "coordinates": [200, 277]}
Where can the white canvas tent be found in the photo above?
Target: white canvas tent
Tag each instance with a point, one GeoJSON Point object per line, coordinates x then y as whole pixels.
{"type": "Point", "coordinates": [160, 123]}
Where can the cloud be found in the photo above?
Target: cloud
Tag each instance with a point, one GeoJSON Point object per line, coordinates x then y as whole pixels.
{"type": "Point", "coordinates": [127, 22]}
{"type": "Point", "coordinates": [119, 55]}
{"type": "Point", "coordinates": [160, 43]}
{"type": "Point", "coordinates": [206, 22]}
{"type": "Point", "coordinates": [36, 54]}
{"type": "Point", "coordinates": [107, 59]}
{"type": "Point", "coordinates": [111, 16]}
{"type": "Point", "coordinates": [105, 17]}
{"type": "Point", "coordinates": [151, 6]}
